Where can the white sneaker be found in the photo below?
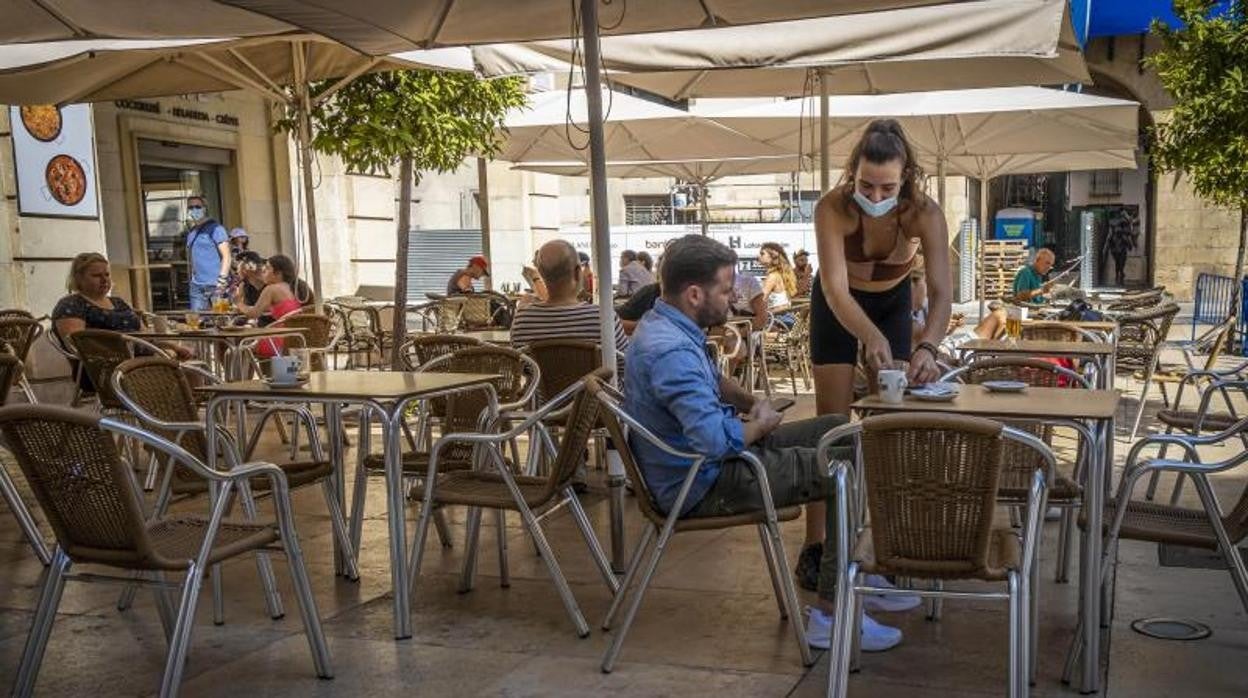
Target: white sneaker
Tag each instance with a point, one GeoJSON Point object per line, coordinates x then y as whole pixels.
{"type": "Point", "coordinates": [888, 603]}
{"type": "Point", "coordinates": [875, 636]}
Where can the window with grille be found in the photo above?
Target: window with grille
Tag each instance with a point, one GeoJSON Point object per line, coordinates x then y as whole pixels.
{"type": "Point", "coordinates": [1106, 183]}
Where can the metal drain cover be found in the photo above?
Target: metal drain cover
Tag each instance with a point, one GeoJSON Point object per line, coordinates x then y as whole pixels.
{"type": "Point", "coordinates": [1171, 628]}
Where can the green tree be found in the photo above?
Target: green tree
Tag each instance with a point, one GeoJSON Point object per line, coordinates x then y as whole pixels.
{"type": "Point", "coordinates": [1204, 67]}
{"type": "Point", "coordinates": [423, 121]}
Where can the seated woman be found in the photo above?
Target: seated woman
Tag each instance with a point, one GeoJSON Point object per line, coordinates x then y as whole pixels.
{"type": "Point", "coordinates": [90, 306]}
{"type": "Point", "coordinates": [780, 286]}
{"type": "Point", "coordinates": [276, 300]}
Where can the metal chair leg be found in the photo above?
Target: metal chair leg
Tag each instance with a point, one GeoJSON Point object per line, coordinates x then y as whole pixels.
{"type": "Point", "coordinates": [1018, 669]}
{"type": "Point", "coordinates": [176, 659]}
{"type": "Point", "coordinates": [264, 565]}
{"type": "Point", "coordinates": [500, 528]}
{"type": "Point", "coordinates": [1065, 546]}
{"type": "Point", "coordinates": [27, 390]}
{"type": "Point", "coordinates": [770, 557]}
{"type": "Point", "coordinates": [25, 520]}
{"type": "Point", "coordinates": [440, 525]}
{"type": "Point", "coordinates": [617, 642]}
{"type": "Point", "coordinates": [1031, 639]}
{"type": "Point", "coordinates": [307, 605]}
{"type": "Point", "coordinates": [591, 540]}
{"type": "Point", "coordinates": [634, 564]}
{"type": "Point", "coordinates": [341, 532]}
{"type": "Point", "coordinates": [41, 626]}
{"type": "Point", "coordinates": [360, 492]}
{"type": "Point", "coordinates": [790, 593]}
{"type": "Point", "coordinates": [842, 635]}
{"type": "Point", "coordinates": [556, 574]}
{"type": "Point", "coordinates": [472, 538]}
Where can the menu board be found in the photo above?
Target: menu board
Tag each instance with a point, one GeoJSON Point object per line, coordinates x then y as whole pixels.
{"type": "Point", "coordinates": [55, 158]}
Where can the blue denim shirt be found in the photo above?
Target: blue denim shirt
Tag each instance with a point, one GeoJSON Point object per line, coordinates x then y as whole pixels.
{"type": "Point", "coordinates": [672, 387]}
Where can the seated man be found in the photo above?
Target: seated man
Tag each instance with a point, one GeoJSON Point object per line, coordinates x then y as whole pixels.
{"type": "Point", "coordinates": [563, 315]}
{"type": "Point", "coordinates": [1029, 283]}
{"type": "Point", "coordinates": [675, 390]}
{"type": "Point", "coordinates": [461, 280]}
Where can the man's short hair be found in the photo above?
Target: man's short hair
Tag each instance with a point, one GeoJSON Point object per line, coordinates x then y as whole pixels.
{"type": "Point", "coordinates": [557, 268]}
{"type": "Point", "coordinates": [628, 256]}
{"type": "Point", "coordinates": [693, 260]}
{"type": "Point", "coordinates": [197, 197]}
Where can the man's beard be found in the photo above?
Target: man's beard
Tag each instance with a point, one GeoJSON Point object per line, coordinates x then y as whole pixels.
{"type": "Point", "coordinates": [711, 317]}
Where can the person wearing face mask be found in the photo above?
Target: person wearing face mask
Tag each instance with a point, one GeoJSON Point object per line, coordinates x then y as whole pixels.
{"type": "Point", "coordinates": [870, 230]}
{"type": "Point", "coordinates": [207, 255]}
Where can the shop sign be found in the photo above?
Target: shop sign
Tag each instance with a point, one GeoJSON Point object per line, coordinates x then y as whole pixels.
{"type": "Point", "coordinates": [177, 112]}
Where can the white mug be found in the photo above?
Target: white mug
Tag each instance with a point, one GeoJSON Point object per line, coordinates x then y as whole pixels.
{"type": "Point", "coordinates": [285, 369]}
{"type": "Point", "coordinates": [892, 385]}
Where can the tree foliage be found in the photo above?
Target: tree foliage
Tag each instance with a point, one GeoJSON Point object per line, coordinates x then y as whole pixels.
{"type": "Point", "coordinates": [435, 118]}
{"type": "Point", "coordinates": [1204, 67]}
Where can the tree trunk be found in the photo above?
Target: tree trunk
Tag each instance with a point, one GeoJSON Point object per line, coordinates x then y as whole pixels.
{"type": "Point", "coordinates": [402, 232]}
{"type": "Point", "coordinates": [1236, 300]}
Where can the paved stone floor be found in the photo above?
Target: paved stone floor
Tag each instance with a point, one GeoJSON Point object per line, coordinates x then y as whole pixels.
{"type": "Point", "coordinates": [709, 625]}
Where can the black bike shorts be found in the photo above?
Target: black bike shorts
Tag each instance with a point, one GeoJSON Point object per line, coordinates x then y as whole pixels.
{"type": "Point", "coordinates": [832, 343]}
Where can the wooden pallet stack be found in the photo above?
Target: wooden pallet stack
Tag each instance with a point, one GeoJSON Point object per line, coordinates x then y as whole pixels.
{"type": "Point", "coordinates": [1002, 258]}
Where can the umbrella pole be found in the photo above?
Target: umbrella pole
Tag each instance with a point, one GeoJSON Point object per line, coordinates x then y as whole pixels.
{"type": "Point", "coordinates": [706, 210]}
{"type": "Point", "coordinates": [600, 225]}
{"type": "Point", "coordinates": [825, 166]}
{"type": "Point", "coordinates": [983, 236]}
{"type": "Point", "coordinates": [483, 203]}
{"type": "Point", "coordinates": [304, 109]}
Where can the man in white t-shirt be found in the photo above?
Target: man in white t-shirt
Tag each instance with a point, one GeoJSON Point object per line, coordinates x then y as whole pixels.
{"type": "Point", "coordinates": [748, 300]}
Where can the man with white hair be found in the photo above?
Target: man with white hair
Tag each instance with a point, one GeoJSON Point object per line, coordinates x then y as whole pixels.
{"type": "Point", "coordinates": [1029, 283]}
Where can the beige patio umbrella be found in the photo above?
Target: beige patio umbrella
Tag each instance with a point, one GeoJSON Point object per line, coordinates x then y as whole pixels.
{"type": "Point", "coordinates": [550, 126]}
{"type": "Point", "coordinates": [278, 67]}
{"type": "Point", "coordinates": [381, 27]}
{"type": "Point", "coordinates": [977, 133]}
{"type": "Point", "coordinates": [60, 20]}
{"type": "Point", "coordinates": [384, 26]}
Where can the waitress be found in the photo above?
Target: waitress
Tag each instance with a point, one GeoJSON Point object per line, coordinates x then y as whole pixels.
{"type": "Point", "coordinates": [870, 229]}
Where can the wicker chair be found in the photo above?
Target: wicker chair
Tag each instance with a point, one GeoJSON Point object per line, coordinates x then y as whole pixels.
{"type": "Point", "coordinates": [793, 345]}
{"type": "Point", "coordinates": [158, 392]}
{"type": "Point", "coordinates": [494, 486]}
{"type": "Point", "coordinates": [20, 334]}
{"type": "Point", "coordinates": [662, 526]}
{"type": "Point", "coordinates": [91, 501]}
{"type": "Point", "coordinates": [10, 370]}
{"type": "Point", "coordinates": [421, 349]}
{"type": "Point", "coordinates": [1053, 331]}
{"type": "Point", "coordinates": [1141, 337]}
{"type": "Point", "coordinates": [1207, 528]}
{"type": "Point", "coordinates": [1065, 492]}
{"type": "Point", "coordinates": [1138, 300]}
{"type": "Point", "coordinates": [485, 310]}
{"type": "Point", "coordinates": [460, 411]}
{"type": "Point", "coordinates": [930, 483]}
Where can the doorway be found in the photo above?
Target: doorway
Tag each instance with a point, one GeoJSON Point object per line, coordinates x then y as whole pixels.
{"type": "Point", "coordinates": [169, 172]}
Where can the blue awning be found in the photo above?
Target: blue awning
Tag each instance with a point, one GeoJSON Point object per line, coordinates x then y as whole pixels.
{"type": "Point", "coordinates": [1093, 18]}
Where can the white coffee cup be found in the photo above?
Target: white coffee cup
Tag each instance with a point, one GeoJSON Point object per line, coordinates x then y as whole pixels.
{"type": "Point", "coordinates": [892, 385]}
{"type": "Point", "coordinates": [285, 369]}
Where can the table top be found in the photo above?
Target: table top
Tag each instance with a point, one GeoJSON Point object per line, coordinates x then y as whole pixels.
{"type": "Point", "coordinates": [1038, 347]}
{"type": "Point", "coordinates": [1095, 325]}
{"type": "Point", "coordinates": [1032, 403]}
{"type": "Point", "coordinates": [490, 336]}
{"type": "Point", "coordinates": [236, 334]}
{"type": "Point", "coordinates": [356, 385]}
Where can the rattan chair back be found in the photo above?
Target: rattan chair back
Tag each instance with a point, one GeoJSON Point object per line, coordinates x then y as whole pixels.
{"type": "Point", "coordinates": [15, 312]}
{"type": "Point", "coordinates": [461, 411]}
{"type": "Point", "coordinates": [583, 417]}
{"type": "Point", "coordinates": [101, 352]}
{"type": "Point", "coordinates": [318, 334]}
{"type": "Point", "coordinates": [931, 483]}
{"type": "Point", "coordinates": [19, 333]}
{"type": "Point", "coordinates": [563, 362]}
{"type": "Point", "coordinates": [159, 387]}
{"type": "Point", "coordinates": [421, 349]}
{"type": "Point", "coordinates": [1140, 335]}
{"type": "Point", "coordinates": [10, 372]}
{"type": "Point", "coordinates": [1052, 331]}
{"type": "Point", "coordinates": [645, 498]}
{"type": "Point", "coordinates": [86, 491]}
{"type": "Point", "coordinates": [1021, 461]}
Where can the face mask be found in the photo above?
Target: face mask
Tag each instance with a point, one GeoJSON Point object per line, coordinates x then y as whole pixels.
{"type": "Point", "coordinates": [875, 209]}
{"type": "Point", "coordinates": [195, 212]}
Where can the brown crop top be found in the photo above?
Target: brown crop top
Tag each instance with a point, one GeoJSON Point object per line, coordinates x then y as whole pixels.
{"type": "Point", "coordinates": [881, 257]}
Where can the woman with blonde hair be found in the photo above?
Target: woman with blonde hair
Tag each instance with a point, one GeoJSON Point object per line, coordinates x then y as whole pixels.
{"type": "Point", "coordinates": [780, 285]}
{"type": "Point", "coordinates": [90, 303]}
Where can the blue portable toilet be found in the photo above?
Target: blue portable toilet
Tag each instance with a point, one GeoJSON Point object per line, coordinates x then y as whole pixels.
{"type": "Point", "coordinates": [1015, 224]}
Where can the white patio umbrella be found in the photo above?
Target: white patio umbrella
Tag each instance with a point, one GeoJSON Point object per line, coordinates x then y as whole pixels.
{"type": "Point", "coordinates": [278, 67]}
{"type": "Point", "coordinates": [634, 129]}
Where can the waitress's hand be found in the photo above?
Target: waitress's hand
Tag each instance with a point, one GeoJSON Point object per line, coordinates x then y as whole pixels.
{"type": "Point", "coordinates": [923, 368]}
{"type": "Point", "coordinates": [878, 354]}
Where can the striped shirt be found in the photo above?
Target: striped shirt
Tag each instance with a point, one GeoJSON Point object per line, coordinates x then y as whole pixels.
{"type": "Point", "coordinates": [541, 321]}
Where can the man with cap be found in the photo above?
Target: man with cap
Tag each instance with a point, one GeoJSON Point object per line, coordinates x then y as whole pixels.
{"type": "Point", "coordinates": [461, 280]}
